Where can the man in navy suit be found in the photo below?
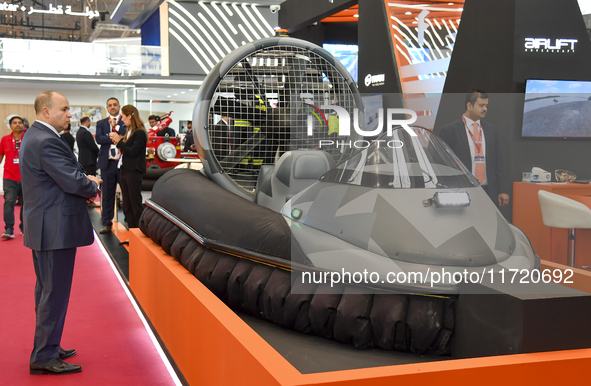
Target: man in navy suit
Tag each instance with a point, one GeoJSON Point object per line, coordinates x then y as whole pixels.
{"type": "Point", "coordinates": [476, 143]}
{"type": "Point", "coordinates": [56, 219]}
{"type": "Point", "coordinates": [108, 158]}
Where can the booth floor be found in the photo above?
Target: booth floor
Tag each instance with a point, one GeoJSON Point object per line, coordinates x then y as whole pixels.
{"type": "Point", "coordinates": [103, 324]}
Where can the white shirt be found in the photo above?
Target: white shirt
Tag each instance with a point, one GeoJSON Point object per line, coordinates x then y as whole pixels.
{"type": "Point", "coordinates": [116, 118]}
{"type": "Point", "coordinates": [470, 129]}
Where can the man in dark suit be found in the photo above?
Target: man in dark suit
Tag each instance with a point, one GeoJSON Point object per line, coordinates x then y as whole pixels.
{"type": "Point", "coordinates": [56, 220]}
{"type": "Point", "coordinates": [108, 158]}
{"type": "Point", "coordinates": [87, 148]}
{"type": "Point", "coordinates": [476, 144]}
{"type": "Point", "coordinates": [189, 140]}
{"type": "Point", "coordinates": [70, 140]}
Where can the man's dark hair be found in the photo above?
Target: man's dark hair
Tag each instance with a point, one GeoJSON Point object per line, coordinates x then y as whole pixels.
{"type": "Point", "coordinates": [15, 117]}
{"type": "Point", "coordinates": [154, 117]}
{"type": "Point", "coordinates": [473, 95]}
{"type": "Point", "coordinates": [191, 122]}
{"type": "Point", "coordinates": [84, 119]}
{"type": "Point", "coordinates": [112, 98]}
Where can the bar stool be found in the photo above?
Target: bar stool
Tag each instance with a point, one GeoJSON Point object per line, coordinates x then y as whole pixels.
{"type": "Point", "coordinates": [562, 212]}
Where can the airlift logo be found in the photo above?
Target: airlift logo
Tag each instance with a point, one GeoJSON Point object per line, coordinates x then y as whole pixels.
{"type": "Point", "coordinates": [393, 119]}
{"type": "Point", "coordinates": [549, 45]}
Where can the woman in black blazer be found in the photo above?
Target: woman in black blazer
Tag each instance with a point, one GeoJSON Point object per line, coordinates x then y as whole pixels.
{"type": "Point", "coordinates": [133, 166]}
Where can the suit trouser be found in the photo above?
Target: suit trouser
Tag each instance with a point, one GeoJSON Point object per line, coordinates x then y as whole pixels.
{"type": "Point", "coordinates": [131, 191]}
{"type": "Point", "coordinates": [54, 271]}
{"type": "Point", "coordinates": [110, 176]}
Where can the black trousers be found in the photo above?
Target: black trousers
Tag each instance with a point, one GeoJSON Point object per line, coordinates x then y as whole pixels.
{"type": "Point", "coordinates": [110, 176]}
{"type": "Point", "coordinates": [12, 191]}
{"type": "Point", "coordinates": [54, 271]}
{"type": "Point", "coordinates": [131, 190]}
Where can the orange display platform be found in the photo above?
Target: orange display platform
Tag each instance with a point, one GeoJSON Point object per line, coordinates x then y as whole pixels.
{"type": "Point", "coordinates": [213, 346]}
{"type": "Point", "coordinates": [550, 243]}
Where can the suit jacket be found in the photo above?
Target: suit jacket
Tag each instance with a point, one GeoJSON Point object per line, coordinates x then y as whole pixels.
{"type": "Point", "coordinates": [497, 173]}
{"type": "Point", "coordinates": [134, 152]}
{"type": "Point", "coordinates": [103, 128]}
{"type": "Point", "coordinates": [55, 190]}
{"type": "Point", "coordinates": [87, 148]}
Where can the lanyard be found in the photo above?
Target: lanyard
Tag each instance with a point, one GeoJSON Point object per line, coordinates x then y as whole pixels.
{"type": "Point", "coordinates": [478, 143]}
{"type": "Point", "coordinates": [16, 144]}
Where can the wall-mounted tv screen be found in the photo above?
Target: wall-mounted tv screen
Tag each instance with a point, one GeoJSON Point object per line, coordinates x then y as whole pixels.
{"type": "Point", "coordinates": [348, 55]}
{"type": "Point", "coordinates": [557, 109]}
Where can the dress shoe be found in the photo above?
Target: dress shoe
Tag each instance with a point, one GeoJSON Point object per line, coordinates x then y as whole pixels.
{"type": "Point", "coordinates": [105, 230]}
{"type": "Point", "coordinates": [55, 367]}
{"type": "Point", "coordinates": [65, 354]}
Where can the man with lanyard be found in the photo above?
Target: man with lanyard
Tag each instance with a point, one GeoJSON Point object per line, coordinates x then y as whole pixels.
{"type": "Point", "coordinates": [108, 158]}
{"type": "Point", "coordinates": [10, 147]}
{"type": "Point", "coordinates": [476, 144]}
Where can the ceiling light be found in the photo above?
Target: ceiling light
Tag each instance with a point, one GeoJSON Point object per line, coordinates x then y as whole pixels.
{"type": "Point", "coordinates": [356, 15]}
{"type": "Point", "coordinates": [408, 13]}
{"type": "Point", "coordinates": [168, 96]}
{"type": "Point", "coordinates": [176, 94]}
{"type": "Point", "coordinates": [182, 92]}
{"type": "Point", "coordinates": [191, 89]}
{"type": "Point", "coordinates": [450, 3]}
{"type": "Point", "coordinates": [415, 22]}
{"type": "Point", "coordinates": [116, 85]}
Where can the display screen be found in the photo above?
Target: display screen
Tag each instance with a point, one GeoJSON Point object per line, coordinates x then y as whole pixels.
{"type": "Point", "coordinates": [557, 109]}
{"type": "Point", "coordinates": [348, 55]}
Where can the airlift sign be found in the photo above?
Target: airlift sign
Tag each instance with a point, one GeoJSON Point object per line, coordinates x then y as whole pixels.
{"type": "Point", "coordinates": [395, 118]}
{"type": "Point", "coordinates": [550, 45]}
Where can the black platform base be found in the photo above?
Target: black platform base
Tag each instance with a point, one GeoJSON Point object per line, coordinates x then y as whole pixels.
{"type": "Point", "coordinates": [501, 323]}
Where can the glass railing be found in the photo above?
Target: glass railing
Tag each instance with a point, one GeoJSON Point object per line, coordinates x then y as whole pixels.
{"type": "Point", "coordinates": [74, 58]}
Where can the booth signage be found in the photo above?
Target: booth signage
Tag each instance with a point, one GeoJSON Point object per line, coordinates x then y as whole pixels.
{"type": "Point", "coordinates": [375, 80]}
{"type": "Point", "coordinates": [57, 10]}
{"type": "Point", "coordinates": [550, 45]}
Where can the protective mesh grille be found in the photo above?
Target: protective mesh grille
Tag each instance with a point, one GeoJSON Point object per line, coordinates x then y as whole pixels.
{"type": "Point", "coordinates": [261, 108]}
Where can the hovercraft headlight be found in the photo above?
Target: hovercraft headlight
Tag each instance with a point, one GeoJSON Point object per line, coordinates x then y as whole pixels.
{"type": "Point", "coordinates": [448, 199]}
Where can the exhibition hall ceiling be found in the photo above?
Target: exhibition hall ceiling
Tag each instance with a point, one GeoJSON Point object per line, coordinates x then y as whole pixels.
{"type": "Point", "coordinates": [405, 10]}
{"type": "Point", "coordinates": [77, 20]}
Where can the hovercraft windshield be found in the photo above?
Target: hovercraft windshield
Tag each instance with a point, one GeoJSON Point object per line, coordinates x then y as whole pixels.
{"type": "Point", "coordinates": [402, 161]}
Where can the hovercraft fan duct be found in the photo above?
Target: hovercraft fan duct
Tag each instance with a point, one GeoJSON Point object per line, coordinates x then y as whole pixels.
{"type": "Point", "coordinates": [258, 103]}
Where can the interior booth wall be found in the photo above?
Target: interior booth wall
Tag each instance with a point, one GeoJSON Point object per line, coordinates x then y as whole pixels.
{"type": "Point", "coordinates": [23, 95]}
{"type": "Point", "coordinates": [17, 98]}
{"type": "Point", "coordinates": [180, 111]}
{"type": "Point", "coordinates": [489, 54]}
